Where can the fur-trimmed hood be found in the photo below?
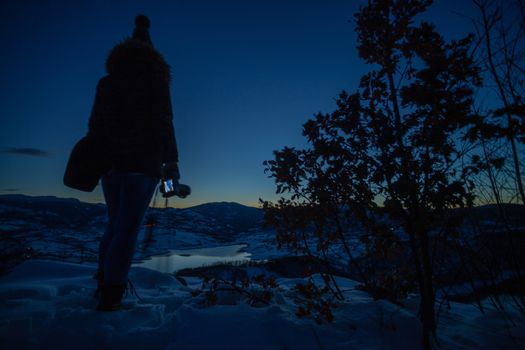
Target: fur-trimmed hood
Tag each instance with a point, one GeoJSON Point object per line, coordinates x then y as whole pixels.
{"type": "Point", "coordinates": [133, 56]}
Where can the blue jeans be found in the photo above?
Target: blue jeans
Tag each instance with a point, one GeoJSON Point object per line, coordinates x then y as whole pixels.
{"type": "Point", "coordinates": [127, 197]}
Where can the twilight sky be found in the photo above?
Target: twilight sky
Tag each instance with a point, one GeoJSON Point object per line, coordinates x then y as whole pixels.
{"type": "Point", "coordinates": [246, 76]}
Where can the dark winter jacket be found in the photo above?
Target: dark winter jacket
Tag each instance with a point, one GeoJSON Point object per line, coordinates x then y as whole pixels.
{"type": "Point", "coordinates": [132, 110]}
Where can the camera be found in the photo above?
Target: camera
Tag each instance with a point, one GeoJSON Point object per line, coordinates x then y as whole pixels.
{"type": "Point", "coordinates": [170, 188]}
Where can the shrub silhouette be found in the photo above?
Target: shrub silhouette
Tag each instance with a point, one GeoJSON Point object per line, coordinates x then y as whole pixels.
{"type": "Point", "coordinates": [387, 159]}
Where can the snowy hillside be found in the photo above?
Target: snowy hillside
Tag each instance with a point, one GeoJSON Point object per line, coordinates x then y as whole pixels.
{"type": "Point", "coordinates": [48, 305]}
{"type": "Point", "coordinates": [48, 249]}
{"type": "Point", "coordinates": [68, 230]}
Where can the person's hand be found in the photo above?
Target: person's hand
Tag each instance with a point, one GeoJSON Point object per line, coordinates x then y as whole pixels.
{"type": "Point", "coordinates": [171, 171]}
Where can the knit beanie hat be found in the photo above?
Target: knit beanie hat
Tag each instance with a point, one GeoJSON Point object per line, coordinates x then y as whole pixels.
{"type": "Point", "coordinates": [141, 31]}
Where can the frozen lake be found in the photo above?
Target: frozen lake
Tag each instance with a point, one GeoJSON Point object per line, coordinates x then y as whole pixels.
{"type": "Point", "coordinates": [176, 260]}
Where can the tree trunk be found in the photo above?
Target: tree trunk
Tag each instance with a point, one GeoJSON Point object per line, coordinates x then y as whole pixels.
{"type": "Point", "coordinates": [420, 253]}
{"type": "Point", "coordinates": [427, 291]}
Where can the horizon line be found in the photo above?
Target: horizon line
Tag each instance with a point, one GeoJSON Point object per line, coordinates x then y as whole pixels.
{"type": "Point", "coordinates": [150, 206]}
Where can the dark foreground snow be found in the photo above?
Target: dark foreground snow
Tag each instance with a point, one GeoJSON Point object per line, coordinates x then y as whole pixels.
{"type": "Point", "coordinates": [49, 305]}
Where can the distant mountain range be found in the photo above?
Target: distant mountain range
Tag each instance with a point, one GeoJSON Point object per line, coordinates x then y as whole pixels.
{"type": "Point", "coordinates": [223, 217]}
{"type": "Point", "coordinates": [238, 217]}
{"type": "Point", "coordinates": [68, 229]}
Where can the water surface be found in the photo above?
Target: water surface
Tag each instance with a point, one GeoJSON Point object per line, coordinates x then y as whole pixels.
{"type": "Point", "coordinates": [189, 258]}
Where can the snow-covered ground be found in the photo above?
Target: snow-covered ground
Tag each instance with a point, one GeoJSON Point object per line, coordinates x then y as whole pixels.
{"type": "Point", "coordinates": [49, 305]}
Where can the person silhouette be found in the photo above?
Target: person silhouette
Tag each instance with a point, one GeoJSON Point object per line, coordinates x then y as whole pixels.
{"type": "Point", "coordinates": [132, 111]}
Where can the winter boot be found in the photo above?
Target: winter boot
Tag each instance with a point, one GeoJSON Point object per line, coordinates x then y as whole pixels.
{"type": "Point", "coordinates": [111, 297]}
